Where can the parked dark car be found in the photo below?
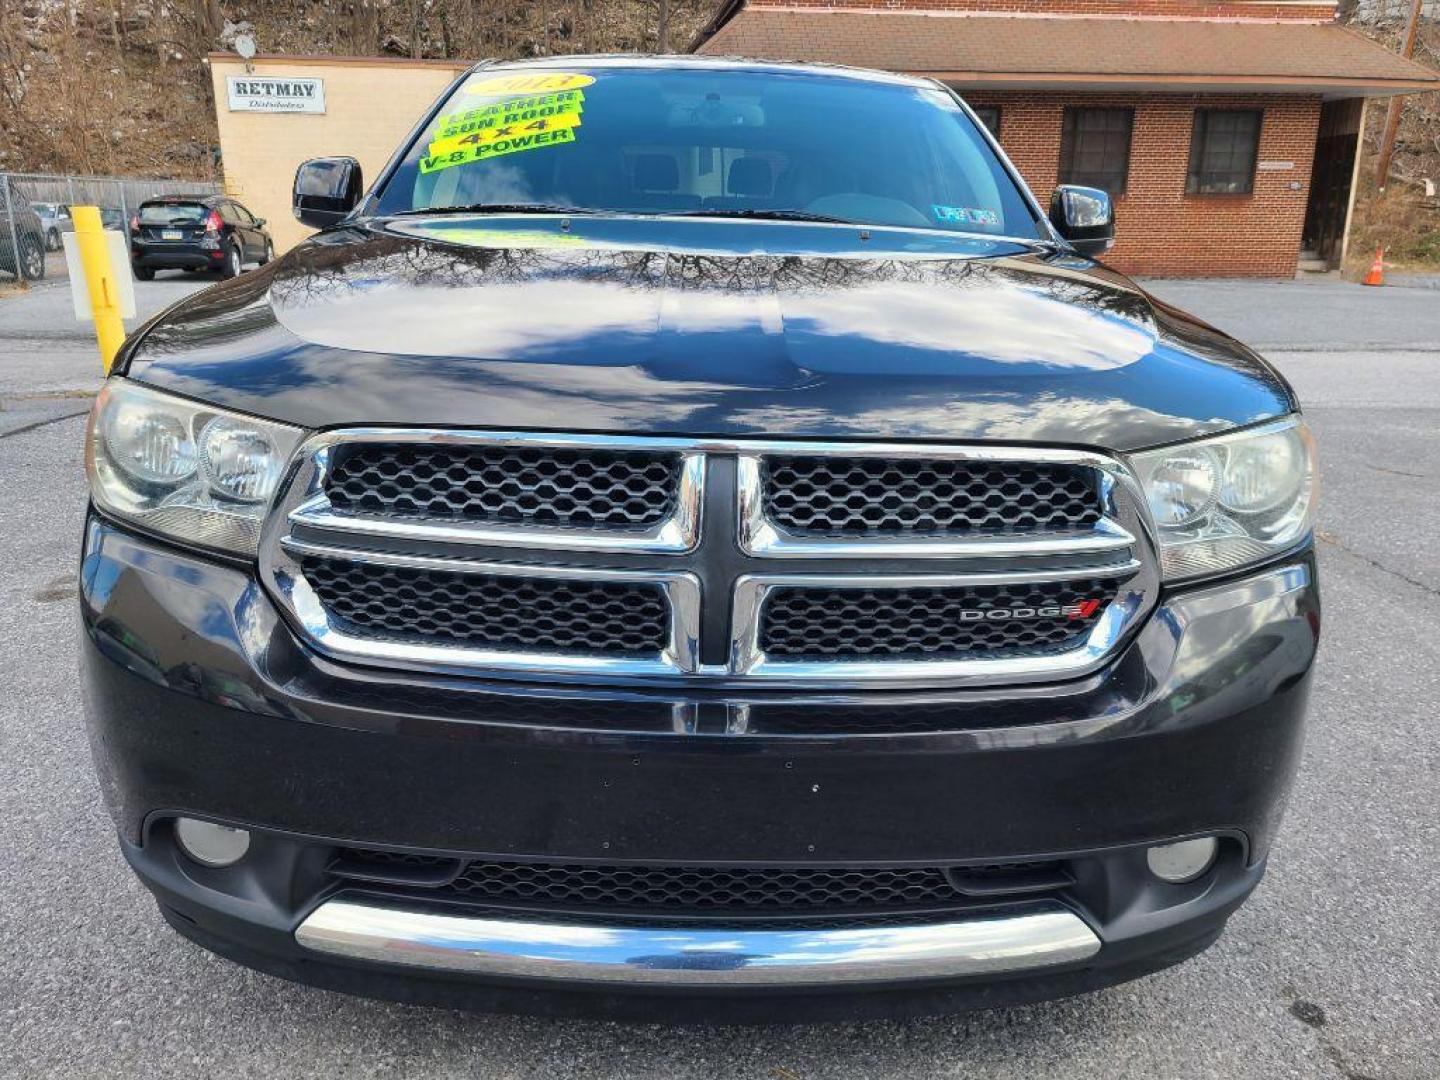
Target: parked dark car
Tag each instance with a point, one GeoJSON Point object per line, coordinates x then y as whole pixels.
{"type": "Point", "coordinates": [22, 240]}
{"type": "Point", "coordinates": [659, 554]}
{"type": "Point", "coordinates": [196, 232]}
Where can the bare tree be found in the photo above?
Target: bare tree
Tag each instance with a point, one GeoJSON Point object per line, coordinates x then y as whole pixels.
{"type": "Point", "coordinates": [209, 21]}
{"type": "Point", "coordinates": [417, 28]}
{"type": "Point", "coordinates": [358, 29]}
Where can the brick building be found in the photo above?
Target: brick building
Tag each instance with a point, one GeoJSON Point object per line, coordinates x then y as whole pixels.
{"type": "Point", "coordinates": [1226, 130]}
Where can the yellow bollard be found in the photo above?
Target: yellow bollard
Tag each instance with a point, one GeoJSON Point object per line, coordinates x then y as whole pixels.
{"type": "Point", "coordinates": [100, 278]}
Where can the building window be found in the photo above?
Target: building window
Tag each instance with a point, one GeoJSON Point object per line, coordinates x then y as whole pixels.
{"type": "Point", "coordinates": [1095, 148]}
{"type": "Point", "coordinates": [1223, 147]}
{"type": "Point", "coordinates": [989, 116]}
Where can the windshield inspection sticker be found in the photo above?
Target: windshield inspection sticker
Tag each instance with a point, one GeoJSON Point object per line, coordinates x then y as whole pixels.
{"type": "Point", "coordinates": [965, 215]}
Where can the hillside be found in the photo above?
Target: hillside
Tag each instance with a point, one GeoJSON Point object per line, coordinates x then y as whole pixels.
{"type": "Point", "coordinates": [1403, 220]}
{"type": "Point", "coordinates": [117, 86]}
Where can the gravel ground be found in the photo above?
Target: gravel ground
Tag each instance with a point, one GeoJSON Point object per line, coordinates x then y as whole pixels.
{"type": "Point", "coordinates": [1331, 971]}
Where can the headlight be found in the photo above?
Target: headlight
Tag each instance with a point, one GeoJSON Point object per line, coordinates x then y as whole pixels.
{"type": "Point", "coordinates": [192, 472]}
{"type": "Point", "coordinates": [1223, 503]}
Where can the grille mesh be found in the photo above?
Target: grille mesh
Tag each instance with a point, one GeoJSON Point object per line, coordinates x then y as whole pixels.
{"type": "Point", "coordinates": [859, 496]}
{"type": "Point", "coordinates": [684, 888]}
{"type": "Point", "coordinates": [927, 623]}
{"type": "Point", "coordinates": [707, 893]}
{"type": "Point", "coordinates": [702, 888]}
{"type": "Point", "coordinates": [531, 485]}
{"type": "Point", "coordinates": [484, 611]}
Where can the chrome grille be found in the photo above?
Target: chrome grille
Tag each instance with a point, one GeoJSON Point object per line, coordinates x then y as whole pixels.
{"type": "Point", "coordinates": [926, 622]}
{"type": "Point", "coordinates": [870, 496]}
{"type": "Point", "coordinates": [547, 485]}
{"type": "Point", "coordinates": [812, 572]}
{"type": "Point", "coordinates": [478, 610]}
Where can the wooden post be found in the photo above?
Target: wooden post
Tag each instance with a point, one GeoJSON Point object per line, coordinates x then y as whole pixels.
{"type": "Point", "coordinates": [1397, 104]}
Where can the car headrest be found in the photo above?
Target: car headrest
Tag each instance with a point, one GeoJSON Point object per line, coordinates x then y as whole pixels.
{"type": "Point", "coordinates": [749, 176]}
{"type": "Point", "coordinates": [654, 172]}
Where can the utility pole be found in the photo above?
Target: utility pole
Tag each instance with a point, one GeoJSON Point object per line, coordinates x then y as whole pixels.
{"type": "Point", "coordinates": [1392, 118]}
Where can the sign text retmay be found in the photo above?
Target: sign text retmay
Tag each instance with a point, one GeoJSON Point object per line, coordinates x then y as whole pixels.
{"type": "Point", "coordinates": [250, 93]}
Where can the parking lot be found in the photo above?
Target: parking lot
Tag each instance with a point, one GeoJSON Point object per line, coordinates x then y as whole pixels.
{"type": "Point", "coordinates": [1332, 970]}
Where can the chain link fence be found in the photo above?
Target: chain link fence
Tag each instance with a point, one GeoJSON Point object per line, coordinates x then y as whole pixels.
{"type": "Point", "coordinates": [35, 215]}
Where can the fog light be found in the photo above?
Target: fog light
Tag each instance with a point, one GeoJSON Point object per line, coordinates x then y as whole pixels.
{"type": "Point", "coordinates": [1182, 862]}
{"type": "Point", "coordinates": [210, 844]}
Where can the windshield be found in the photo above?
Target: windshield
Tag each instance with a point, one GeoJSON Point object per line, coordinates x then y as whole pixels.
{"type": "Point", "coordinates": [171, 213]}
{"type": "Point", "coordinates": [710, 141]}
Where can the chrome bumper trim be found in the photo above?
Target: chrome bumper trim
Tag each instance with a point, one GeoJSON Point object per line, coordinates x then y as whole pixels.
{"type": "Point", "coordinates": [1042, 935]}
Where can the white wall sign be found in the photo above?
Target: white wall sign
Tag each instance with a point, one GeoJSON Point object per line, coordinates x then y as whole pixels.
{"type": "Point", "coordinates": [1275, 166]}
{"type": "Point", "coordinates": [119, 264]}
{"type": "Point", "coordinates": [262, 93]}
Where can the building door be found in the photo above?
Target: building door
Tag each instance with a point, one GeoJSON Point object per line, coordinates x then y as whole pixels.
{"type": "Point", "coordinates": [1330, 178]}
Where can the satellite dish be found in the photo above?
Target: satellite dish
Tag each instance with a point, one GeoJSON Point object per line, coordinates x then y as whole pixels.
{"type": "Point", "coordinates": [245, 46]}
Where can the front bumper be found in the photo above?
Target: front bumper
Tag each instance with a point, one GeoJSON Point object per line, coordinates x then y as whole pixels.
{"type": "Point", "coordinates": [201, 702]}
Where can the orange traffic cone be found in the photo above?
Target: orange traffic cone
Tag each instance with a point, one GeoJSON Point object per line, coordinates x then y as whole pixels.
{"type": "Point", "coordinates": [1376, 276]}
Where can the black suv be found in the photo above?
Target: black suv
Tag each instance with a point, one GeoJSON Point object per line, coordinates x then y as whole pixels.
{"type": "Point", "coordinates": [660, 554]}
{"type": "Point", "coordinates": [196, 232]}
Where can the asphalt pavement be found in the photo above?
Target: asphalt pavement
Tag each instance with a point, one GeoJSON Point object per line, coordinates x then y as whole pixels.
{"type": "Point", "coordinates": [1331, 971]}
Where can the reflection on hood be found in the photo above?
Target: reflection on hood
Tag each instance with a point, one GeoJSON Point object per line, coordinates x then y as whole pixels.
{"type": "Point", "coordinates": [528, 324]}
{"type": "Point", "coordinates": [927, 315]}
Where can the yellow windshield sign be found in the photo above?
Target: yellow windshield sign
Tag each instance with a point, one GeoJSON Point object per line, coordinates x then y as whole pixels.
{"type": "Point", "coordinates": [464, 155]}
{"type": "Point", "coordinates": [502, 238]}
{"type": "Point", "coordinates": [539, 109]}
{"type": "Point", "coordinates": [515, 111]}
{"type": "Point", "coordinates": [535, 82]}
{"type": "Point", "coordinates": [477, 136]}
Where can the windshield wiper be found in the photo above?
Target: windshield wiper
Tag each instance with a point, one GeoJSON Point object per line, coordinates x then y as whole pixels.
{"type": "Point", "coordinates": [763, 215]}
{"type": "Point", "coordinates": [496, 208]}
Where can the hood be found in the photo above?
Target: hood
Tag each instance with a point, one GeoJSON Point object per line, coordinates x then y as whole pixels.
{"type": "Point", "coordinates": [705, 327]}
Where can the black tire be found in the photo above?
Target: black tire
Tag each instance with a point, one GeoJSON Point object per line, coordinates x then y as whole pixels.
{"type": "Point", "coordinates": [52, 240]}
{"type": "Point", "coordinates": [233, 264]}
{"type": "Point", "coordinates": [269, 253]}
{"type": "Point", "coordinates": [144, 273]}
{"type": "Point", "coordinates": [32, 257]}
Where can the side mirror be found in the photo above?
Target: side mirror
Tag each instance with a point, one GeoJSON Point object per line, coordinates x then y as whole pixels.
{"type": "Point", "coordinates": [259, 222]}
{"type": "Point", "coordinates": [326, 190]}
{"type": "Point", "coordinates": [1085, 217]}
